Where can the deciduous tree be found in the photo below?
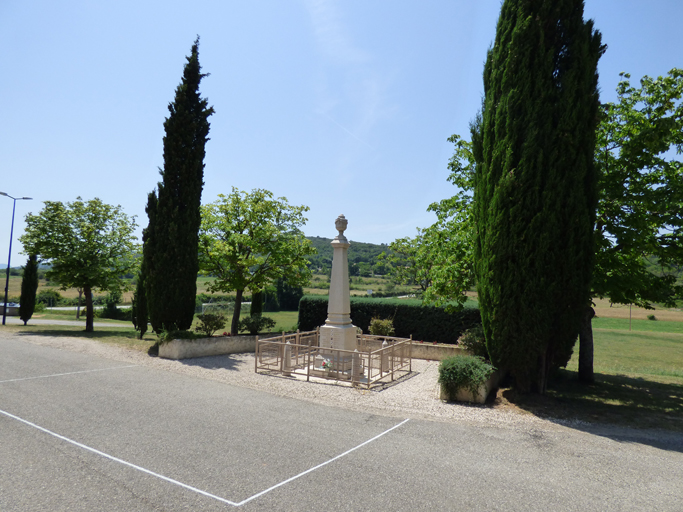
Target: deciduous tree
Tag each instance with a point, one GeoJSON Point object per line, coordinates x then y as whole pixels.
{"type": "Point", "coordinates": [249, 240]}
{"type": "Point", "coordinates": [89, 245]}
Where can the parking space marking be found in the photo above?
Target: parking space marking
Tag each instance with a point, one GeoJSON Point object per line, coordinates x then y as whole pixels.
{"type": "Point", "coordinates": [116, 459]}
{"type": "Point", "coordinates": [189, 487]}
{"type": "Point", "coordinates": [69, 373]}
{"type": "Point", "coordinates": [320, 465]}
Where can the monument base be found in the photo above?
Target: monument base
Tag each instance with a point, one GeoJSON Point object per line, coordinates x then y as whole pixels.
{"type": "Point", "coordinates": [339, 338]}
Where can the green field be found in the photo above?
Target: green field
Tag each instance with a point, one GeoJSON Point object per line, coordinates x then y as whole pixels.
{"type": "Point", "coordinates": [638, 378]}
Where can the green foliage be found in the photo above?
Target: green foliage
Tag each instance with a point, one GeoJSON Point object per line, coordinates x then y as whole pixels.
{"type": "Point", "coordinates": [256, 304]}
{"type": "Point", "coordinates": [288, 297]}
{"type": "Point", "coordinates": [640, 214]}
{"type": "Point", "coordinates": [358, 253]}
{"type": "Point", "coordinates": [171, 238]}
{"type": "Point", "coordinates": [651, 317]}
{"type": "Point", "coordinates": [89, 245]}
{"type": "Point", "coordinates": [139, 316]}
{"type": "Point", "coordinates": [427, 323]}
{"type": "Point", "coordinates": [29, 287]}
{"type": "Point", "coordinates": [249, 240]}
{"type": "Point", "coordinates": [380, 327]}
{"type": "Point", "coordinates": [256, 324]}
{"type": "Point", "coordinates": [474, 341]}
{"type": "Point", "coordinates": [125, 314]}
{"type": "Point", "coordinates": [49, 297]}
{"type": "Point", "coordinates": [464, 372]}
{"type": "Point", "coordinates": [535, 185]}
{"type": "Point", "coordinates": [209, 323]}
{"type": "Point", "coordinates": [166, 336]}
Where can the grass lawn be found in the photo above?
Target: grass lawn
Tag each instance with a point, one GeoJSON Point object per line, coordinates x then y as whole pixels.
{"type": "Point", "coordinates": [638, 373]}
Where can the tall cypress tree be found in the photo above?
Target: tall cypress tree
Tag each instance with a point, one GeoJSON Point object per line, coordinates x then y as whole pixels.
{"type": "Point", "coordinates": [536, 185]}
{"type": "Point", "coordinates": [171, 258]}
{"type": "Point", "coordinates": [29, 286]}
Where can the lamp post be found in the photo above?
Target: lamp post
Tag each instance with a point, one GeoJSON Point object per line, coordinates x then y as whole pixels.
{"type": "Point", "coordinates": [9, 258]}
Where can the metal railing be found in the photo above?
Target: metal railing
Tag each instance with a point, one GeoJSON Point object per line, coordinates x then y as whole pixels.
{"type": "Point", "coordinates": [376, 358]}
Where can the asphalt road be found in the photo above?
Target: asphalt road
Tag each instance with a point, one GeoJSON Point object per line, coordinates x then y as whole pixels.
{"type": "Point", "coordinates": [79, 432]}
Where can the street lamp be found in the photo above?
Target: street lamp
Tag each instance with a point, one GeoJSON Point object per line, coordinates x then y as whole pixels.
{"type": "Point", "coordinates": [9, 258]}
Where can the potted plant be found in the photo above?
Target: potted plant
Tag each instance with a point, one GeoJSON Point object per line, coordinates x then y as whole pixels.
{"type": "Point", "coordinates": [466, 378]}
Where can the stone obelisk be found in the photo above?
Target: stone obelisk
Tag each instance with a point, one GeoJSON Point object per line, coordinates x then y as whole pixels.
{"type": "Point", "coordinates": [338, 331]}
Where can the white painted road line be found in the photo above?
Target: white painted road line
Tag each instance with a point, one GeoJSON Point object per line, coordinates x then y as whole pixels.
{"type": "Point", "coordinates": [70, 373]}
{"type": "Point", "coordinates": [320, 465]}
{"type": "Point", "coordinates": [189, 487]}
{"type": "Point", "coordinates": [115, 459]}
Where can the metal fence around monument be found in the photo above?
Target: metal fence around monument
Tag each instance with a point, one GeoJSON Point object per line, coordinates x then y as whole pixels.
{"type": "Point", "coordinates": [376, 358]}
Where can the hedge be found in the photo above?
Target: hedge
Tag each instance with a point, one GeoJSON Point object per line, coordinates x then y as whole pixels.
{"type": "Point", "coordinates": [424, 323]}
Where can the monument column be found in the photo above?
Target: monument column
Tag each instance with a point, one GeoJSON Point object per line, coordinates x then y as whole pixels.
{"type": "Point", "coordinates": [338, 331]}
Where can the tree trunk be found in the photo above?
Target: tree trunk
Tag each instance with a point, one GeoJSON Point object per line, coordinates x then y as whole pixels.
{"type": "Point", "coordinates": [586, 347]}
{"type": "Point", "coordinates": [78, 309]}
{"type": "Point", "coordinates": [88, 309]}
{"type": "Point", "coordinates": [234, 327]}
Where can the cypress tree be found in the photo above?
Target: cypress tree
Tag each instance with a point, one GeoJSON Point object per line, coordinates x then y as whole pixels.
{"type": "Point", "coordinates": [172, 255]}
{"type": "Point", "coordinates": [535, 187]}
{"type": "Point", "coordinates": [256, 304]}
{"type": "Point", "coordinates": [29, 286]}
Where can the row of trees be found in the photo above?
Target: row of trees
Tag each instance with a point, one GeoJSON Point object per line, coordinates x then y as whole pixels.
{"type": "Point", "coordinates": [553, 210]}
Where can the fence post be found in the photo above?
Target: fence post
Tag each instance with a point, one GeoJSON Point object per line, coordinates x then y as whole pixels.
{"type": "Point", "coordinates": [287, 360]}
{"type": "Point", "coordinates": [384, 358]}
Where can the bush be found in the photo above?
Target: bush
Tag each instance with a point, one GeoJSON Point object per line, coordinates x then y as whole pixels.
{"type": "Point", "coordinates": [379, 327]}
{"type": "Point", "coordinates": [166, 336]}
{"type": "Point", "coordinates": [651, 317]}
{"type": "Point", "coordinates": [209, 323]}
{"type": "Point", "coordinates": [115, 313]}
{"type": "Point", "coordinates": [49, 297]}
{"type": "Point", "coordinates": [427, 323]}
{"type": "Point", "coordinates": [464, 372]}
{"type": "Point", "coordinates": [256, 324]}
{"type": "Point", "coordinates": [474, 342]}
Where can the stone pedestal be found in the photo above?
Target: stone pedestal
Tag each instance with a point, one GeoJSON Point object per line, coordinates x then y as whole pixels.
{"type": "Point", "coordinates": [338, 331]}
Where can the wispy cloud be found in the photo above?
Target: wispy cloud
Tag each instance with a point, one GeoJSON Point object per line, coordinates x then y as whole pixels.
{"type": "Point", "coordinates": [350, 89]}
{"type": "Point", "coordinates": [329, 31]}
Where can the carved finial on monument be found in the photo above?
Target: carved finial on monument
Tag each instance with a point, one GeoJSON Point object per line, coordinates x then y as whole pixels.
{"type": "Point", "coordinates": [341, 224]}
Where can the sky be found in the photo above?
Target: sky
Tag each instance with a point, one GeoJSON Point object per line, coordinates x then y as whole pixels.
{"type": "Point", "coordinates": [341, 105]}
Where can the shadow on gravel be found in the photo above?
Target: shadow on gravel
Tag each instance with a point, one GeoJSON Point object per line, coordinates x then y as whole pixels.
{"type": "Point", "coordinates": [624, 409]}
{"type": "Point", "coordinates": [226, 362]}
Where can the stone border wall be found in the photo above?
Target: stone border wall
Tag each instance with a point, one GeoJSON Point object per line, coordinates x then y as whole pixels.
{"type": "Point", "coordinates": [221, 345]}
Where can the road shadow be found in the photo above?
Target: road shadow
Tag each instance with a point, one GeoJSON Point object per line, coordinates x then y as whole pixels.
{"type": "Point", "coordinates": [80, 333]}
{"type": "Point", "coordinates": [622, 408]}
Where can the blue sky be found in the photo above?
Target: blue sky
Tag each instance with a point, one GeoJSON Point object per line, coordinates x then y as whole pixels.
{"type": "Point", "coordinates": [344, 106]}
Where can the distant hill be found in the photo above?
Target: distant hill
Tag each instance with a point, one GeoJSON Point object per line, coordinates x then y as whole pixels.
{"type": "Point", "coordinates": [359, 252]}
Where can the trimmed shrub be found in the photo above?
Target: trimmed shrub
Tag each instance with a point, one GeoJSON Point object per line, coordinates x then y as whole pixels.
{"type": "Point", "coordinates": [256, 324]}
{"type": "Point", "coordinates": [209, 323]}
{"type": "Point", "coordinates": [379, 327]}
{"type": "Point", "coordinates": [464, 372]}
{"type": "Point", "coordinates": [474, 342]}
{"type": "Point", "coordinates": [410, 317]}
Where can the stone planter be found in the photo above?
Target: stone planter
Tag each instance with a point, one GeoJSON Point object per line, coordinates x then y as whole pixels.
{"type": "Point", "coordinates": [465, 395]}
{"type": "Point", "coordinates": [215, 346]}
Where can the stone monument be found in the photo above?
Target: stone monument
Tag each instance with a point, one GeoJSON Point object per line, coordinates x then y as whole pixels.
{"type": "Point", "coordinates": [338, 331]}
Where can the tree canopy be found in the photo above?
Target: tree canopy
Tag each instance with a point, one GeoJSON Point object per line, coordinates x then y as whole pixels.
{"type": "Point", "coordinates": [249, 240]}
{"type": "Point", "coordinates": [89, 245]}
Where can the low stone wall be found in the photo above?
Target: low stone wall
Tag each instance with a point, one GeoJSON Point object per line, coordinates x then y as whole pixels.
{"type": "Point", "coordinates": [221, 345]}
{"type": "Point", "coordinates": [216, 346]}
{"type": "Point", "coordinates": [11, 310]}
